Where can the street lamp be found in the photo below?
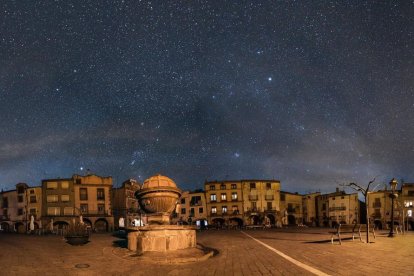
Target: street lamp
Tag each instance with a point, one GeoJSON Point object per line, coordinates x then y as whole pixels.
{"type": "Point", "coordinates": [393, 184]}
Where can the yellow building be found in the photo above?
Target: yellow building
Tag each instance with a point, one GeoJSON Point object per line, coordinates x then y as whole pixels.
{"type": "Point", "coordinates": [261, 201]}
{"type": "Point", "coordinates": [65, 200]}
{"type": "Point", "coordinates": [124, 202]}
{"type": "Point", "coordinates": [310, 208]}
{"type": "Point", "coordinates": [407, 200]}
{"type": "Point", "coordinates": [34, 205]}
{"type": "Point", "coordinates": [343, 208]}
{"type": "Point", "coordinates": [291, 208]}
{"type": "Point", "coordinates": [93, 199]}
{"type": "Point", "coordinates": [224, 203]}
{"type": "Point", "coordinates": [192, 209]}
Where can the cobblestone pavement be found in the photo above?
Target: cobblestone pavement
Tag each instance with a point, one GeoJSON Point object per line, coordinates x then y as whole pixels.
{"type": "Point", "coordinates": [238, 254]}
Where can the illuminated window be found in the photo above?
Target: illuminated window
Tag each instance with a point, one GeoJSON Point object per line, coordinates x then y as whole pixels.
{"type": "Point", "coordinates": [223, 197]}
{"type": "Point", "coordinates": [64, 185]}
{"type": "Point", "coordinates": [51, 185]}
{"type": "Point", "coordinates": [214, 210]}
{"type": "Point", "coordinates": [53, 211]}
{"type": "Point", "coordinates": [213, 197]}
{"type": "Point", "coordinates": [52, 198]}
{"type": "Point", "coordinates": [224, 210]}
{"type": "Point", "coordinates": [234, 196]}
{"type": "Point", "coordinates": [64, 198]}
{"type": "Point", "coordinates": [410, 213]}
{"type": "Point", "coordinates": [84, 208]}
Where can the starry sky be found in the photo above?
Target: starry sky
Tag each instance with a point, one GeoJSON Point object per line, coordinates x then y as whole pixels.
{"type": "Point", "coordinates": [313, 93]}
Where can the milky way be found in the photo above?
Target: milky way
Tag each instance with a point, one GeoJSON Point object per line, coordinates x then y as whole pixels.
{"type": "Point", "coordinates": [311, 94]}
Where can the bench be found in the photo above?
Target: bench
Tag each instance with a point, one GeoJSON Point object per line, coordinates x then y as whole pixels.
{"type": "Point", "coordinates": [351, 229]}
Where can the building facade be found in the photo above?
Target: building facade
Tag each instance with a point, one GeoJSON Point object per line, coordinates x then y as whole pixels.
{"type": "Point", "coordinates": [224, 203]}
{"type": "Point", "coordinates": [310, 208]}
{"type": "Point", "coordinates": [291, 208]}
{"type": "Point", "coordinates": [407, 201]}
{"type": "Point", "coordinates": [125, 204]}
{"type": "Point", "coordinates": [192, 209]}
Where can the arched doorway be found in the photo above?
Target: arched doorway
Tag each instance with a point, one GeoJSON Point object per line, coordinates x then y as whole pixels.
{"type": "Point", "coordinates": [218, 222]}
{"type": "Point", "coordinates": [291, 220]}
{"type": "Point", "coordinates": [254, 220]}
{"type": "Point", "coordinates": [272, 219]}
{"type": "Point", "coordinates": [60, 224]}
{"type": "Point", "coordinates": [20, 228]}
{"type": "Point", "coordinates": [101, 225]}
{"type": "Point", "coordinates": [5, 227]}
{"type": "Point", "coordinates": [334, 224]}
{"type": "Point", "coordinates": [236, 222]}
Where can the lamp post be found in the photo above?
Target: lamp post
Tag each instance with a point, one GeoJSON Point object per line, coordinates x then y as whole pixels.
{"type": "Point", "coordinates": [393, 184]}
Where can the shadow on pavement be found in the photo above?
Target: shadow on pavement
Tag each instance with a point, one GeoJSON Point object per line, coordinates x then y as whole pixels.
{"type": "Point", "coordinates": [120, 243]}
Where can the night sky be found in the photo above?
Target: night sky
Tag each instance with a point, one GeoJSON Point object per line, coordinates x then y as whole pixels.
{"type": "Point", "coordinates": [313, 93]}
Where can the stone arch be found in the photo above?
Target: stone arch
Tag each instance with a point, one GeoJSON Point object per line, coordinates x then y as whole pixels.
{"type": "Point", "coordinates": [236, 222]}
{"type": "Point", "coordinates": [101, 225]}
{"type": "Point", "coordinates": [218, 222]}
{"type": "Point", "coordinates": [5, 227]}
{"type": "Point", "coordinates": [272, 219]}
{"type": "Point", "coordinates": [20, 227]}
{"type": "Point", "coordinates": [254, 220]}
{"type": "Point", "coordinates": [87, 222]}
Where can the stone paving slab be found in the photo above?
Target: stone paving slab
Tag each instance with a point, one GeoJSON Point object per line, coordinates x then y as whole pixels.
{"type": "Point", "coordinates": [237, 255]}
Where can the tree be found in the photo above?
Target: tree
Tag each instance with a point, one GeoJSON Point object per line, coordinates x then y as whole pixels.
{"type": "Point", "coordinates": [364, 192]}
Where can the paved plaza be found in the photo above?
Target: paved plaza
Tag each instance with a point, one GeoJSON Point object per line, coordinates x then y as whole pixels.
{"type": "Point", "coordinates": [294, 251]}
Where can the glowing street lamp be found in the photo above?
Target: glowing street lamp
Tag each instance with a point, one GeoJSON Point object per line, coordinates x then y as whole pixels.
{"type": "Point", "coordinates": [393, 184]}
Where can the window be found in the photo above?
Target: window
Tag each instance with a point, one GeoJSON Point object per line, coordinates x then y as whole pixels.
{"type": "Point", "coordinates": [68, 211]}
{"type": "Point", "coordinates": [223, 187]}
{"type": "Point", "coordinates": [83, 194]}
{"type": "Point", "coordinates": [53, 211]}
{"type": "Point", "coordinates": [324, 206]}
{"type": "Point", "coordinates": [408, 203]}
{"type": "Point", "coordinates": [52, 198]}
{"type": "Point", "coordinates": [84, 208]}
{"type": "Point", "coordinates": [64, 185]}
{"type": "Point", "coordinates": [224, 210]}
{"type": "Point", "coordinates": [200, 210]}
{"type": "Point", "coordinates": [214, 210]}
{"type": "Point", "coordinates": [268, 186]}
{"type": "Point", "coordinates": [64, 198]}
{"type": "Point", "coordinates": [213, 197]}
{"type": "Point", "coordinates": [195, 201]}
{"type": "Point", "coordinates": [33, 199]}
{"type": "Point", "coordinates": [234, 186]}
{"type": "Point", "coordinates": [212, 187]}
{"type": "Point", "coordinates": [410, 213]}
{"type": "Point", "coordinates": [183, 201]}
{"type": "Point", "coordinates": [31, 191]}
{"type": "Point", "coordinates": [51, 185]}
{"type": "Point", "coordinates": [183, 211]}
{"type": "Point", "coordinates": [32, 211]}
{"type": "Point", "coordinates": [282, 197]}
{"type": "Point", "coordinates": [20, 198]}
{"type": "Point", "coordinates": [223, 197]}
{"type": "Point", "coordinates": [235, 209]}
{"type": "Point", "coordinates": [20, 212]}
{"type": "Point", "coordinates": [269, 205]}
{"type": "Point", "coordinates": [254, 205]}
{"type": "Point", "coordinates": [101, 208]}
{"type": "Point", "coordinates": [100, 194]}
{"type": "Point", "coordinates": [252, 185]}
{"type": "Point", "coordinates": [410, 193]}
{"type": "Point", "coordinates": [192, 212]}
{"type": "Point", "coordinates": [78, 181]}
{"type": "Point", "coordinates": [234, 196]}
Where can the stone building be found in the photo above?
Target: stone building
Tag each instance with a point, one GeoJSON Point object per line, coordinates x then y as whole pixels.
{"type": "Point", "coordinates": [407, 200]}
{"type": "Point", "coordinates": [224, 203]}
{"type": "Point", "coordinates": [192, 209]}
{"type": "Point", "coordinates": [124, 202]}
{"type": "Point", "coordinates": [261, 201]}
{"type": "Point", "coordinates": [310, 208]}
{"type": "Point", "coordinates": [66, 199]}
{"type": "Point", "coordinates": [343, 208]}
{"type": "Point", "coordinates": [291, 208]}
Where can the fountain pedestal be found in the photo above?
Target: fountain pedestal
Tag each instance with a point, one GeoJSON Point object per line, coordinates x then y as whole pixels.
{"type": "Point", "coordinates": [161, 238]}
{"type": "Point", "coordinates": [157, 198]}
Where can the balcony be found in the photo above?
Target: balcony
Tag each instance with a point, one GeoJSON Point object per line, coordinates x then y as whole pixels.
{"type": "Point", "coordinates": [340, 208]}
{"type": "Point", "coordinates": [253, 197]}
{"type": "Point", "coordinates": [376, 205]}
{"type": "Point", "coordinates": [253, 210]}
{"type": "Point", "coordinates": [269, 197]}
{"type": "Point", "coordinates": [4, 217]}
{"type": "Point", "coordinates": [273, 209]}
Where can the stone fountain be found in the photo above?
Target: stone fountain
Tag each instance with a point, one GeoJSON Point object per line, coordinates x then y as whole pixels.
{"type": "Point", "coordinates": [157, 199]}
